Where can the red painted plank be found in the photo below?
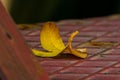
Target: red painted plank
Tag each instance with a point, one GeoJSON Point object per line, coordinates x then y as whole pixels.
{"type": "Point", "coordinates": [16, 60]}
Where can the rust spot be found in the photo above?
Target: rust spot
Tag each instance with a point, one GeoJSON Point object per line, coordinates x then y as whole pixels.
{"type": "Point", "coordinates": [8, 36]}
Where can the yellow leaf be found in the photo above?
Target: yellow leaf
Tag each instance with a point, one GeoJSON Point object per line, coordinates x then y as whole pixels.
{"type": "Point", "coordinates": [51, 41]}
{"type": "Point", "coordinates": [46, 54]}
{"type": "Point", "coordinates": [50, 37]}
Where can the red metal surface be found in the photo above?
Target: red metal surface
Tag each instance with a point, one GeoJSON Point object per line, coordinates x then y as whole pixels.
{"type": "Point", "coordinates": [103, 61]}
{"type": "Point", "coordinates": [16, 60]}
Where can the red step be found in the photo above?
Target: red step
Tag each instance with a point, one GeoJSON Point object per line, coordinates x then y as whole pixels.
{"type": "Point", "coordinates": [16, 60]}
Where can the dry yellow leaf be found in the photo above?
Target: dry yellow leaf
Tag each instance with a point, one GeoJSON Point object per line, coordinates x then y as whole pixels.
{"type": "Point", "coordinates": [51, 41]}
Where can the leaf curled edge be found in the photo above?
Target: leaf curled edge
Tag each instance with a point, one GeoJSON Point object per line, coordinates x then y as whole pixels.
{"type": "Point", "coordinates": [82, 53]}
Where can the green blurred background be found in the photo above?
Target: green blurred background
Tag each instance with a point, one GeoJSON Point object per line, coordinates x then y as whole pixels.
{"type": "Point", "coordinates": [33, 11]}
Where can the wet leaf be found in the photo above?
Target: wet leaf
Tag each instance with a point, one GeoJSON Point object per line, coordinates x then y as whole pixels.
{"type": "Point", "coordinates": [51, 41]}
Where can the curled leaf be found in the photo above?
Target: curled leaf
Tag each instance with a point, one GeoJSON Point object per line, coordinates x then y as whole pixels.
{"type": "Point", "coordinates": [51, 41]}
{"type": "Point", "coordinates": [50, 37]}
{"type": "Point", "coordinates": [77, 52]}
